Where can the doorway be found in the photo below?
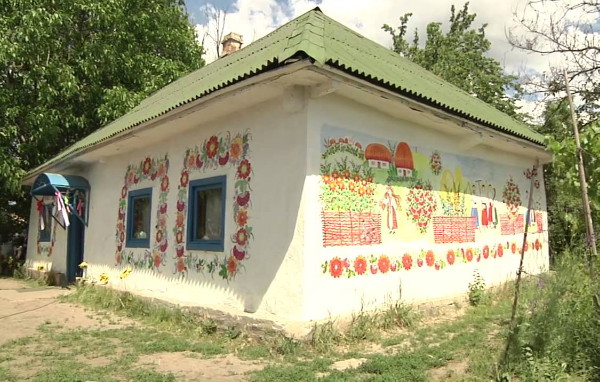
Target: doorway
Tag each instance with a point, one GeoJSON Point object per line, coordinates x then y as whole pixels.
{"type": "Point", "coordinates": [75, 237]}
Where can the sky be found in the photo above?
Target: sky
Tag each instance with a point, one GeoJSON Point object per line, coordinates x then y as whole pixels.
{"type": "Point", "coordinates": [255, 18]}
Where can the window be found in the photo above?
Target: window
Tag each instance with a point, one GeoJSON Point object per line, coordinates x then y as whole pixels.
{"type": "Point", "coordinates": [206, 214]}
{"type": "Point", "coordinates": [139, 204]}
{"type": "Point", "coordinates": [46, 233]}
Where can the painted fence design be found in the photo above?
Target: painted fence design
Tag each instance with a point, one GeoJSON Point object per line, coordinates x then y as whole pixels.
{"type": "Point", "coordinates": [509, 226]}
{"type": "Point", "coordinates": [351, 228]}
{"type": "Point", "coordinates": [453, 229]}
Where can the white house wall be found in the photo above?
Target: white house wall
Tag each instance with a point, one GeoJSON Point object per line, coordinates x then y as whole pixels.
{"type": "Point", "coordinates": [264, 278]}
{"type": "Point", "coordinates": [407, 262]}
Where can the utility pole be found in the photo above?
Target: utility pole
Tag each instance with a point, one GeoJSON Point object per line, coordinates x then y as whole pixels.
{"type": "Point", "coordinates": [587, 211]}
{"type": "Point", "coordinates": [591, 236]}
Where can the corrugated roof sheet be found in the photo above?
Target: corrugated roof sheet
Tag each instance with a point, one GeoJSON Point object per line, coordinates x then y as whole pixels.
{"type": "Point", "coordinates": [329, 43]}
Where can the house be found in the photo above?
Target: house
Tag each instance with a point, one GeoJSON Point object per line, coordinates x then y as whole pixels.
{"type": "Point", "coordinates": [403, 160]}
{"type": "Point", "coordinates": [244, 186]}
{"type": "Point", "coordinates": [378, 156]}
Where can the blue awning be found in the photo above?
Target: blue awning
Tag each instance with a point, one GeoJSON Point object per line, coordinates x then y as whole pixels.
{"type": "Point", "coordinates": [47, 184]}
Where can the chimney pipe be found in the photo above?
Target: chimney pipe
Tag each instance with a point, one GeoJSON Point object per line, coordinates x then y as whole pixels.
{"type": "Point", "coordinates": [232, 42]}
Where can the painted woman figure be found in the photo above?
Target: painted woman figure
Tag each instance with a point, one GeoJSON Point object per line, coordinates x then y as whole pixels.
{"type": "Point", "coordinates": [391, 201]}
{"type": "Point", "coordinates": [474, 211]}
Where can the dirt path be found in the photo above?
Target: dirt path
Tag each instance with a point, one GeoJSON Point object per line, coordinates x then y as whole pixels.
{"type": "Point", "coordinates": [23, 308]}
{"type": "Point", "coordinates": [28, 311]}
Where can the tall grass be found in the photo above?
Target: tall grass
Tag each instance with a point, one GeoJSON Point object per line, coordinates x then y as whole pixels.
{"type": "Point", "coordinates": [559, 326]}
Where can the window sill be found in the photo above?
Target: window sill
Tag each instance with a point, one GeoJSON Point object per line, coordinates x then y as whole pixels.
{"type": "Point", "coordinates": [206, 246]}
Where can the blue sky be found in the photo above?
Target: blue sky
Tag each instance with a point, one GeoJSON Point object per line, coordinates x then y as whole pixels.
{"type": "Point", "coordinates": [197, 16]}
{"type": "Point", "coordinates": [255, 18]}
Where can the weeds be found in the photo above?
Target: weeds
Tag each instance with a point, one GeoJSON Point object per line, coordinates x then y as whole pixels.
{"type": "Point", "coordinates": [477, 293]}
{"type": "Point", "coordinates": [559, 328]}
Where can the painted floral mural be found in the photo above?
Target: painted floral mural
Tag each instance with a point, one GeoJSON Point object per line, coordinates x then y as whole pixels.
{"type": "Point", "coordinates": [218, 151]}
{"type": "Point", "coordinates": [380, 193]}
{"type": "Point", "coordinates": [363, 265]}
{"type": "Point", "coordinates": [156, 170]}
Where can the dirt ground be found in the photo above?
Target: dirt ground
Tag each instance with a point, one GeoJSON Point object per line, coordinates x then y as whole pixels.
{"type": "Point", "coordinates": [25, 307]}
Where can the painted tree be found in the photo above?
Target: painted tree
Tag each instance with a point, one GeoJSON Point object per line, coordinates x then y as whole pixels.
{"type": "Point", "coordinates": [459, 57]}
{"type": "Point", "coordinates": [67, 67]}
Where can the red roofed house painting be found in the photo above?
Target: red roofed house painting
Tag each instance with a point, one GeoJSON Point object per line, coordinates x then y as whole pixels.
{"type": "Point", "coordinates": [295, 181]}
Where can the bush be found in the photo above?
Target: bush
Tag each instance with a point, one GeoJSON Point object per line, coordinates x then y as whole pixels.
{"type": "Point", "coordinates": [477, 293]}
{"type": "Point", "coordinates": [559, 330]}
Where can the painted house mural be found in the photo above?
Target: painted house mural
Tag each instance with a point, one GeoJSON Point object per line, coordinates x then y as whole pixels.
{"type": "Point", "coordinates": [290, 190]}
{"type": "Point", "coordinates": [454, 211]}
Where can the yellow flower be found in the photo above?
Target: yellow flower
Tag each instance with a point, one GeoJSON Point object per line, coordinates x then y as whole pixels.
{"type": "Point", "coordinates": [40, 267]}
{"type": "Point", "coordinates": [126, 272]}
{"type": "Point", "coordinates": [104, 278]}
{"type": "Point", "coordinates": [83, 265]}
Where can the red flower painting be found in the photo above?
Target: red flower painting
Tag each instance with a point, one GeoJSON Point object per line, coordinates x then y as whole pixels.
{"type": "Point", "coordinates": [232, 265]}
{"type": "Point", "coordinates": [147, 166]}
{"type": "Point", "coordinates": [191, 160]}
{"type": "Point", "coordinates": [157, 260]}
{"type": "Point", "coordinates": [241, 218]}
{"type": "Point", "coordinates": [336, 267]}
{"type": "Point", "coordinates": [450, 256]}
{"type": "Point", "coordinates": [469, 254]}
{"type": "Point", "coordinates": [513, 248]}
{"type": "Point", "coordinates": [236, 148]}
{"type": "Point", "coordinates": [407, 261]}
{"type": "Point", "coordinates": [241, 237]}
{"type": "Point", "coordinates": [185, 178]}
{"type": "Point", "coordinates": [360, 265]}
{"type": "Point", "coordinates": [212, 147]}
{"type": "Point", "coordinates": [486, 252]}
{"type": "Point", "coordinates": [164, 185]}
{"type": "Point", "coordinates": [430, 258]}
{"type": "Point", "coordinates": [384, 264]}
{"type": "Point", "coordinates": [244, 169]}
{"type": "Point", "coordinates": [500, 251]}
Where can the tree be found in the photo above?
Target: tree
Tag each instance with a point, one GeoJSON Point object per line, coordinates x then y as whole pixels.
{"type": "Point", "coordinates": [566, 32]}
{"type": "Point", "coordinates": [67, 67]}
{"type": "Point", "coordinates": [459, 57]}
{"type": "Point", "coordinates": [215, 28]}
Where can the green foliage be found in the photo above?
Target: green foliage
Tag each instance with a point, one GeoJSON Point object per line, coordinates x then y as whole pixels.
{"type": "Point", "coordinates": [459, 57]}
{"type": "Point", "coordinates": [324, 336]}
{"type": "Point", "coordinates": [560, 328]}
{"type": "Point", "coordinates": [477, 293]}
{"type": "Point", "coordinates": [398, 315]}
{"type": "Point", "coordinates": [69, 67]}
{"type": "Point", "coordinates": [565, 208]}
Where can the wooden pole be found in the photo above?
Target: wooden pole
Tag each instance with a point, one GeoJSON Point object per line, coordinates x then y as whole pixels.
{"type": "Point", "coordinates": [513, 315]}
{"type": "Point", "coordinates": [591, 236]}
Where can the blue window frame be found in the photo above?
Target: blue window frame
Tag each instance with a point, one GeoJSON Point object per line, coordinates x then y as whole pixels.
{"type": "Point", "coordinates": [206, 214]}
{"type": "Point", "coordinates": [139, 206]}
{"type": "Point", "coordinates": [46, 233]}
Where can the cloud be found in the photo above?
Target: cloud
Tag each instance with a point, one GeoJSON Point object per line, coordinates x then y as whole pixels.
{"type": "Point", "coordinates": [255, 18]}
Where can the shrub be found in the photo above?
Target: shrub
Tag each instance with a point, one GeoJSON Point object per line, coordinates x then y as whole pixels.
{"type": "Point", "coordinates": [477, 293]}
{"type": "Point", "coordinates": [559, 329]}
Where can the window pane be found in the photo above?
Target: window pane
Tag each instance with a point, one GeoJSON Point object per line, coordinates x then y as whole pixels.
{"type": "Point", "coordinates": [208, 210]}
{"type": "Point", "coordinates": [141, 217]}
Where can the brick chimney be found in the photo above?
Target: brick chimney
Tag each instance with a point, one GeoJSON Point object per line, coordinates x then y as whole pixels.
{"type": "Point", "coordinates": [231, 43]}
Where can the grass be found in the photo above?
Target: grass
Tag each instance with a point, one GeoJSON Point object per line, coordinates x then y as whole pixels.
{"type": "Point", "coordinates": [395, 342]}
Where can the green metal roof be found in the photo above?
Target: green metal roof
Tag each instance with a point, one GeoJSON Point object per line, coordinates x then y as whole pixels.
{"type": "Point", "coordinates": [329, 43]}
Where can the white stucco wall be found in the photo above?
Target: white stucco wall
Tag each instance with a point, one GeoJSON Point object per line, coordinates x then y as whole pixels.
{"type": "Point", "coordinates": [267, 281]}
{"type": "Point", "coordinates": [325, 295]}
{"type": "Point", "coordinates": [286, 272]}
